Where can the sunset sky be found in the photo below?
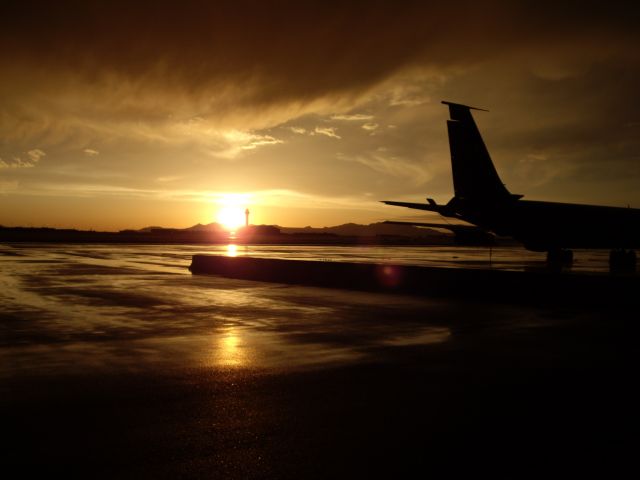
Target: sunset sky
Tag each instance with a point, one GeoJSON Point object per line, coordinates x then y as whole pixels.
{"type": "Point", "coordinates": [115, 116]}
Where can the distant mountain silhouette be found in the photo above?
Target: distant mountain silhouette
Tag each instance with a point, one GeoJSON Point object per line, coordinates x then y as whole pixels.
{"type": "Point", "coordinates": [344, 230]}
{"type": "Point", "coordinates": [373, 229]}
{"type": "Point", "coordinates": [347, 230]}
{"type": "Point", "coordinates": [347, 234]}
{"type": "Point", "coordinates": [148, 229]}
{"type": "Point", "coordinates": [199, 227]}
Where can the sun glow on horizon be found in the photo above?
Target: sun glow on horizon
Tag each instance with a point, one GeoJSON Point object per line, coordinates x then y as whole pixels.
{"type": "Point", "coordinates": [231, 210]}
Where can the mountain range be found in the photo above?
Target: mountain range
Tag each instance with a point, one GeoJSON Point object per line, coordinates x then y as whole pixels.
{"type": "Point", "coordinates": [347, 229]}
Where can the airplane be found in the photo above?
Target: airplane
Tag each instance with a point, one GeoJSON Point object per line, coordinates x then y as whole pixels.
{"type": "Point", "coordinates": [480, 198]}
{"type": "Point", "coordinates": [463, 234]}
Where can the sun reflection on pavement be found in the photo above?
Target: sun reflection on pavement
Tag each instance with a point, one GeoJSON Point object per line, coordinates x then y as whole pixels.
{"type": "Point", "coordinates": [229, 350]}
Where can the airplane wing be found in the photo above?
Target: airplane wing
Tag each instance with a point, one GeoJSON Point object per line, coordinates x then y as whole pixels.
{"type": "Point", "coordinates": [464, 234]}
{"type": "Point", "coordinates": [445, 226]}
{"type": "Point", "coordinates": [431, 206]}
{"type": "Point", "coordinates": [418, 206]}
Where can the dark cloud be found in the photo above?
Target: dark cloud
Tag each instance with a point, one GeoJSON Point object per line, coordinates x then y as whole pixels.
{"type": "Point", "coordinates": [283, 50]}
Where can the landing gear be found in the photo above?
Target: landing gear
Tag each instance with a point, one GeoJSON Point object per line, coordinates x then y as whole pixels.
{"type": "Point", "coordinates": [559, 258]}
{"type": "Point", "coordinates": [622, 261]}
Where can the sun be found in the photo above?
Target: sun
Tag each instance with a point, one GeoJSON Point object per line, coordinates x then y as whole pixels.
{"type": "Point", "coordinates": [231, 217]}
{"type": "Point", "coordinates": [231, 211]}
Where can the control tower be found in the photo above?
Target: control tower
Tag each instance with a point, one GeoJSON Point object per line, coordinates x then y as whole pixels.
{"type": "Point", "coordinates": [246, 217]}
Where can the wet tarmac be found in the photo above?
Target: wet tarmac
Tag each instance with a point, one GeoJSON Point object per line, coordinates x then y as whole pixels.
{"type": "Point", "coordinates": [116, 362]}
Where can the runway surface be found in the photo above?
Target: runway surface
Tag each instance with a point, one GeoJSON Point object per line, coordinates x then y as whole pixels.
{"type": "Point", "coordinates": [116, 362]}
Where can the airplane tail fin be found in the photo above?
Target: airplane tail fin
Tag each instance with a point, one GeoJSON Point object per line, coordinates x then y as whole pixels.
{"type": "Point", "coordinates": [474, 175]}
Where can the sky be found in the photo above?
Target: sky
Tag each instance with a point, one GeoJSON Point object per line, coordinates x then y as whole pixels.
{"type": "Point", "coordinates": [118, 114]}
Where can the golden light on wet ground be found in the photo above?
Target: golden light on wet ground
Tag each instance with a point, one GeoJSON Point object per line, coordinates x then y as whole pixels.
{"type": "Point", "coordinates": [229, 349]}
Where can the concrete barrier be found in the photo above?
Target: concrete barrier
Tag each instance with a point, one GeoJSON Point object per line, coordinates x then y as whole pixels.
{"type": "Point", "coordinates": [531, 286]}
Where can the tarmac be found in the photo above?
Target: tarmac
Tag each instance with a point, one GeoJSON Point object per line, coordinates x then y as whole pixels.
{"type": "Point", "coordinates": [115, 362]}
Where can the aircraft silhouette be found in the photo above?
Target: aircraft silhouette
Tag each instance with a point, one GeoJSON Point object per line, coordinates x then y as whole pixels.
{"type": "Point", "coordinates": [481, 199]}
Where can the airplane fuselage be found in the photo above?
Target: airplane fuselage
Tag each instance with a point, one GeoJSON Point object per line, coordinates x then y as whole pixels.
{"type": "Point", "coordinates": [544, 226]}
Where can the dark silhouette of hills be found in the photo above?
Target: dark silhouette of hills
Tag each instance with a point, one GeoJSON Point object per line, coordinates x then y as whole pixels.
{"type": "Point", "coordinates": [354, 229]}
{"type": "Point", "coordinates": [212, 233]}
